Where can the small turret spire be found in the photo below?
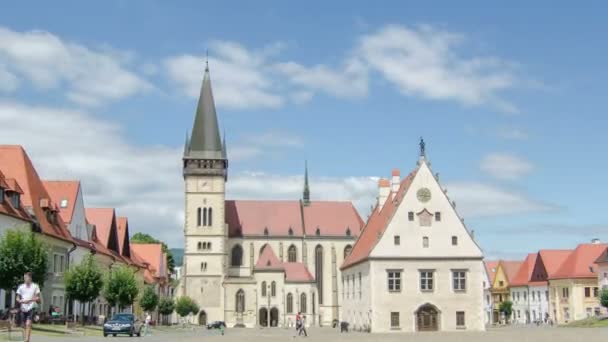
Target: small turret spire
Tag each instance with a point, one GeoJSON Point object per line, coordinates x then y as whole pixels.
{"type": "Point", "coordinates": [306, 193]}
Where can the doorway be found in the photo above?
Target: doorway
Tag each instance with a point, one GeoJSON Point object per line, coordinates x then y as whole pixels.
{"type": "Point", "coordinates": [263, 317]}
{"type": "Point", "coordinates": [274, 317]}
{"type": "Point", "coordinates": [202, 318]}
{"type": "Point", "coordinates": [427, 318]}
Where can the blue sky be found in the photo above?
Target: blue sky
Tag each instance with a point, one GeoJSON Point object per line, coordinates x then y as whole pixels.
{"type": "Point", "coordinates": [509, 98]}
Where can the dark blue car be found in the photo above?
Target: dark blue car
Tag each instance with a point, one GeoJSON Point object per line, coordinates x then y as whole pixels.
{"type": "Point", "coordinates": [125, 324]}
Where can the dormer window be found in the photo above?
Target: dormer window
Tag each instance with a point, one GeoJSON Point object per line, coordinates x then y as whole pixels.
{"type": "Point", "coordinates": [318, 232]}
{"type": "Point", "coordinates": [348, 231]}
{"type": "Point", "coordinates": [1, 195]}
{"type": "Point", "coordinates": [265, 231]}
{"type": "Point", "coordinates": [410, 216]}
{"type": "Point", "coordinates": [63, 203]}
{"type": "Point", "coordinates": [290, 232]}
{"type": "Point", "coordinates": [15, 200]}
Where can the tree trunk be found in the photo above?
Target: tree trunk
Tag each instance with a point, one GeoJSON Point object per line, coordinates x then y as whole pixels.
{"type": "Point", "coordinates": [82, 313]}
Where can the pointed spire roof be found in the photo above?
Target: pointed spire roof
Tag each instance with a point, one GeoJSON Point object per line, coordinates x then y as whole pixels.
{"type": "Point", "coordinates": [306, 193]}
{"type": "Point", "coordinates": [224, 153]}
{"type": "Point", "coordinates": [205, 141]}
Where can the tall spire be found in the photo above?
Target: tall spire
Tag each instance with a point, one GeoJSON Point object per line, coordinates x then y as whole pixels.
{"type": "Point", "coordinates": [306, 193]}
{"type": "Point", "coordinates": [187, 144]}
{"type": "Point", "coordinates": [224, 154]}
{"type": "Point", "coordinates": [205, 141]}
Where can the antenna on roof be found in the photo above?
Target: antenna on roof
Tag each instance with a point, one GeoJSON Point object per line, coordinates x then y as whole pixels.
{"type": "Point", "coordinates": [207, 60]}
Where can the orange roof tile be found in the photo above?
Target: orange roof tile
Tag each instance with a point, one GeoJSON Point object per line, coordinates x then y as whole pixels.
{"type": "Point", "coordinates": [63, 191]}
{"type": "Point", "coordinates": [17, 164]}
{"type": "Point", "coordinates": [383, 183]}
{"type": "Point", "coordinates": [104, 220]}
{"type": "Point", "coordinates": [510, 268]}
{"type": "Point", "coordinates": [332, 219]}
{"type": "Point", "coordinates": [523, 276]}
{"type": "Point", "coordinates": [581, 262]}
{"type": "Point", "coordinates": [13, 185]}
{"type": "Point", "coordinates": [123, 236]}
{"type": "Point", "coordinates": [552, 259]}
{"type": "Point", "coordinates": [294, 271]}
{"type": "Point", "coordinates": [268, 260]}
{"type": "Point", "coordinates": [6, 205]}
{"type": "Point", "coordinates": [396, 172]}
{"type": "Point", "coordinates": [151, 253]}
{"type": "Point", "coordinates": [376, 224]}
{"type": "Point", "coordinates": [491, 267]}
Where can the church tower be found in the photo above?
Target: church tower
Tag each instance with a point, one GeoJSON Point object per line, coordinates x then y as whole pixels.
{"type": "Point", "coordinates": [205, 168]}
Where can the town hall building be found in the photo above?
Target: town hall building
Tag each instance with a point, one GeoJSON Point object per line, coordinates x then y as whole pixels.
{"type": "Point", "coordinates": [413, 266]}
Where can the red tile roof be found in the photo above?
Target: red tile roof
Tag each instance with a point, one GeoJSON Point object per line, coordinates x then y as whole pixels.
{"type": "Point", "coordinates": [152, 254]}
{"type": "Point", "coordinates": [523, 276]}
{"type": "Point", "coordinates": [103, 219]}
{"type": "Point", "coordinates": [295, 272]}
{"type": "Point", "coordinates": [396, 172]}
{"type": "Point", "coordinates": [16, 164]}
{"type": "Point", "coordinates": [6, 205]}
{"type": "Point", "coordinates": [268, 260]}
{"type": "Point", "coordinates": [376, 224]}
{"type": "Point", "coordinates": [63, 190]}
{"type": "Point", "coordinates": [383, 183]}
{"type": "Point", "coordinates": [13, 185]}
{"type": "Point", "coordinates": [277, 218]}
{"type": "Point", "coordinates": [552, 259]}
{"type": "Point", "coordinates": [122, 227]}
{"type": "Point", "coordinates": [581, 262]}
{"type": "Point", "coordinates": [491, 267]}
{"type": "Point", "coordinates": [510, 268]}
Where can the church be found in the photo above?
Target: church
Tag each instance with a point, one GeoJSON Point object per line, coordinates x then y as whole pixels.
{"type": "Point", "coordinates": [413, 266]}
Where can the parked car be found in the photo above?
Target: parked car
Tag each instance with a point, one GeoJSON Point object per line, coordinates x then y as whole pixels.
{"type": "Point", "coordinates": [123, 323]}
{"type": "Point", "coordinates": [216, 325]}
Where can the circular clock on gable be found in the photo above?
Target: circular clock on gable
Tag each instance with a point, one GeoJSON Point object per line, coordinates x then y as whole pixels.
{"type": "Point", "coordinates": [424, 195]}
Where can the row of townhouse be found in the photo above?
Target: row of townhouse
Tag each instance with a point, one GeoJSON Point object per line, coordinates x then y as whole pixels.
{"type": "Point", "coordinates": [556, 286]}
{"type": "Point", "coordinates": [55, 211]}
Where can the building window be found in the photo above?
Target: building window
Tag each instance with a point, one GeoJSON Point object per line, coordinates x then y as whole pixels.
{"type": "Point", "coordinates": [501, 283]}
{"type": "Point", "coordinates": [319, 271]}
{"type": "Point", "coordinates": [410, 216]}
{"type": "Point", "coordinates": [459, 281]}
{"type": "Point", "coordinates": [15, 200]}
{"type": "Point", "coordinates": [292, 254]}
{"type": "Point", "coordinates": [360, 295]}
{"type": "Point", "coordinates": [2, 198]}
{"type": "Point", "coordinates": [263, 289]}
{"type": "Point", "coordinates": [303, 302]}
{"type": "Point", "coordinates": [204, 216]}
{"type": "Point", "coordinates": [63, 203]}
{"type": "Point", "coordinates": [289, 303]}
{"type": "Point", "coordinates": [525, 295]}
{"type": "Point", "coordinates": [460, 319]}
{"type": "Point", "coordinates": [565, 292]}
{"type": "Point", "coordinates": [454, 240]}
{"type": "Point", "coordinates": [273, 289]}
{"type": "Point", "coordinates": [437, 216]}
{"type": "Point", "coordinates": [210, 218]}
{"type": "Point", "coordinates": [394, 281]}
{"type": "Point", "coordinates": [547, 295]}
{"type": "Point", "coordinates": [533, 297]}
{"type": "Point", "coordinates": [347, 250]}
{"type": "Point", "coordinates": [200, 246]}
{"type": "Point", "coordinates": [394, 320]}
{"type": "Point", "coordinates": [425, 242]}
{"type": "Point", "coordinates": [426, 280]}
{"type": "Point", "coordinates": [203, 266]}
{"type": "Point", "coordinates": [397, 240]}
{"type": "Point", "coordinates": [240, 301]}
{"type": "Point", "coordinates": [198, 217]}
{"type": "Point", "coordinates": [587, 292]}
{"type": "Point", "coordinates": [237, 256]}
{"type": "Point", "coordinates": [596, 292]}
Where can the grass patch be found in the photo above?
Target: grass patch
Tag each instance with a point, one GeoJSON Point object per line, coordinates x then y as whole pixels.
{"type": "Point", "coordinates": [588, 323]}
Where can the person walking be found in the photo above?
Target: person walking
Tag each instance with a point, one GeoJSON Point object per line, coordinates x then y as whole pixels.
{"type": "Point", "coordinates": [303, 326]}
{"type": "Point", "coordinates": [147, 324]}
{"type": "Point", "coordinates": [28, 295]}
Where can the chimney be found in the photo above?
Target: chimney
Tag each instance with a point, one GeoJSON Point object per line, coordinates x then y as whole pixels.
{"type": "Point", "coordinates": [384, 190]}
{"type": "Point", "coordinates": [595, 241]}
{"type": "Point", "coordinates": [395, 180]}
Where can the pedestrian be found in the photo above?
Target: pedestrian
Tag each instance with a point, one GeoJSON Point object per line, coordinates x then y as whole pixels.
{"type": "Point", "coordinates": [28, 295]}
{"type": "Point", "coordinates": [303, 327]}
{"type": "Point", "coordinates": [147, 324]}
{"type": "Point", "coordinates": [298, 322]}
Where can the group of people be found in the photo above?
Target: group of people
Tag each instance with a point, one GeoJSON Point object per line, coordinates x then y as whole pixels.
{"type": "Point", "coordinates": [301, 325]}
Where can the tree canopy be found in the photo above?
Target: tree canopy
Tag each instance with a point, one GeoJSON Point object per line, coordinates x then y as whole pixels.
{"type": "Point", "coordinates": [149, 299]}
{"type": "Point", "coordinates": [604, 298]}
{"type": "Point", "coordinates": [121, 287]}
{"type": "Point", "coordinates": [83, 282]}
{"type": "Point", "coordinates": [147, 238]}
{"type": "Point", "coordinates": [185, 306]}
{"type": "Point", "coordinates": [506, 308]}
{"type": "Point", "coordinates": [166, 306]}
{"type": "Point", "coordinates": [22, 252]}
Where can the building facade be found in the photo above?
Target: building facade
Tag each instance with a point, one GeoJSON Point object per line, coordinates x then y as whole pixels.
{"type": "Point", "coordinates": [415, 267]}
{"type": "Point", "coordinates": [302, 242]}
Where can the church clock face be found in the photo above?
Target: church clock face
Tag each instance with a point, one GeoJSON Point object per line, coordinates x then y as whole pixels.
{"type": "Point", "coordinates": [424, 195]}
{"type": "Point", "coordinates": [203, 185]}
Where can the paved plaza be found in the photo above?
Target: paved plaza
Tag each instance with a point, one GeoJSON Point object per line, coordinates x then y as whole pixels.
{"type": "Point", "coordinates": [518, 334]}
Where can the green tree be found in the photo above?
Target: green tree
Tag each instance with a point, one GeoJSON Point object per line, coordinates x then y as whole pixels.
{"type": "Point", "coordinates": [506, 308]}
{"type": "Point", "coordinates": [21, 252]}
{"type": "Point", "coordinates": [604, 298]}
{"type": "Point", "coordinates": [83, 282]}
{"type": "Point", "coordinates": [166, 306]}
{"type": "Point", "coordinates": [149, 299]}
{"type": "Point", "coordinates": [147, 238]}
{"type": "Point", "coordinates": [121, 287]}
{"type": "Point", "coordinates": [185, 306]}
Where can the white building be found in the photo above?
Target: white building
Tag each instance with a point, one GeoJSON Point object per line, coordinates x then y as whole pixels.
{"type": "Point", "coordinates": [487, 296]}
{"type": "Point", "coordinates": [415, 266]}
{"type": "Point", "coordinates": [257, 263]}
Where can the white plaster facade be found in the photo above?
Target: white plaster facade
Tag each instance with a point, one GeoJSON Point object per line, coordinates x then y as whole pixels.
{"type": "Point", "coordinates": [441, 248]}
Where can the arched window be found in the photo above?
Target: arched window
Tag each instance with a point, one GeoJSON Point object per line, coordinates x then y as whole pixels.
{"type": "Point", "coordinates": [240, 301]}
{"type": "Point", "coordinates": [203, 266]}
{"type": "Point", "coordinates": [273, 289]}
{"type": "Point", "coordinates": [289, 303]}
{"type": "Point", "coordinates": [200, 245]}
{"type": "Point", "coordinates": [198, 217]}
{"type": "Point", "coordinates": [210, 218]}
{"type": "Point", "coordinates": [303, 302]}
{"type": "Point", "coordinates": [347, 250]}
{"type": "Point", "coordinates": [319, 271]}
{"type": "Point", "coordinates": [204, 216]}
{"type": "Point", "coordinates": [292, 254]}
{"type": "Point", "coordinates": [237, 256]}
{"type": "Point", "coordinates": [208, 245]}
{"type": "Point", "coordinates": [263, 289]}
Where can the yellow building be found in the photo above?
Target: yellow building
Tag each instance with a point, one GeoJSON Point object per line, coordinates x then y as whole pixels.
{"type": "Point", "coordinates": [503, 272]}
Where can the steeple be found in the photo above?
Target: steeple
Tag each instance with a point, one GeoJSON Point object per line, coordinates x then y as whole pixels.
{"type": "Point", "coordinates": [224, 154]}
{"type": "Point", "coordinates": [187, 144]}
{"type": "Point", "coordinates": [306, 192]}
{"type": "Point", "coordinates": [205, 141]}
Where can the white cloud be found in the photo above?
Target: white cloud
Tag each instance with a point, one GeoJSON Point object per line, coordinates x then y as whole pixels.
{"type": "Point", "coordinates": [474, 199]}
{"type": "Point", "coordinates": [87, 76]}
{"type": "Point", "coordinates": [253, 146]}
{"type": "Point", "coordinates": [505, 166]}
{"type": "Point", "coordinates": [512, 133]}
{"type": "Point", "coordinates": [8, 81]}
{"type": "Point", "coordinates": [433, 64]}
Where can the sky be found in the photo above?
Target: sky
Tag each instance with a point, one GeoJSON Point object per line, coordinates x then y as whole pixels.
{"type": "Point", "coordinates": [510, 99]}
